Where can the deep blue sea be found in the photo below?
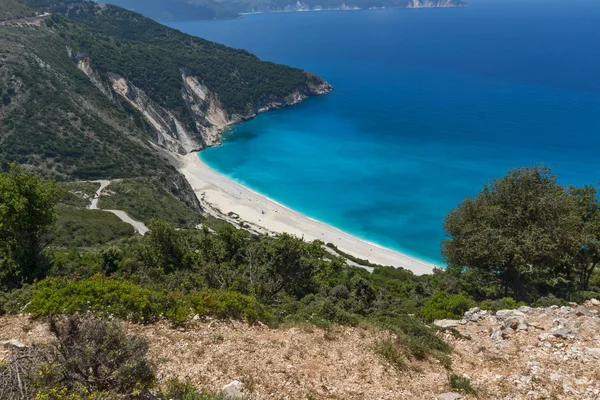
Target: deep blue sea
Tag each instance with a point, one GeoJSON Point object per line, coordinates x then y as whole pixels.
{"type": "Point", "coordinates": [428, 106]}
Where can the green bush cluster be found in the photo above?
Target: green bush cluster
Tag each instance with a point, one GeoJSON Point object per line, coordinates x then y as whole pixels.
{"type": "Point", "coordinates": [126, 300]}
{"type": "Point", "coordinates": [446, 306]}
{"type": "Point", "coordinates": [506, 303]}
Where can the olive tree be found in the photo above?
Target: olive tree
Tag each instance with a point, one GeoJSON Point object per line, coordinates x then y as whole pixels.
{"type": "Point", "coordinates": [588, 256]}
{"type": "Point", "coordinates": [524, 223]}
{"type": "Point", "coordinates": [26, 215]}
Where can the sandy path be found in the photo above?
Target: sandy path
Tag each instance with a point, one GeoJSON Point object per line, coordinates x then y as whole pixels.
{"type": "Point", "coordinates": [220, 195]}
{"type": "Point", "coordinates": [122, 215]}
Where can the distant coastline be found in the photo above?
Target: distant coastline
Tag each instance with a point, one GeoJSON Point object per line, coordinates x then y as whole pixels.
{"type": "Point", "coordinates": [225, 198]}
{"type": "Point", "coordinates": [349, 8]}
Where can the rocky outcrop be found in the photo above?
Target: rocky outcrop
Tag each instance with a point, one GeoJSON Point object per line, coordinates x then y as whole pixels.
{"type": "Point", "coordinates": [170, 131]}
{"type": "Point", "coordinates": [84, 65]}
{"type": "Point", "coordinates": [209, 117]}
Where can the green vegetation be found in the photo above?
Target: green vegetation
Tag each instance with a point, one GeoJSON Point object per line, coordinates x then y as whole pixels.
{"type": "Point", "coordinates": [181, 275]}
{"type": "Point", "coordinates": [57, 122]}
{"type": "Point", "coordinates": [14, 9]}
{"type": "Point", "coordinates": [152, 57]}
{"type": "Point", "coordinates": [528, 232]}
{"type": "Point", "coordinates": [461, 384]}
{"type": "Point", "coordinates": [445, 306]}
{"type": "Point", "coordinates": [79, 227]}
{"type": "Point", "coordinates": [387, 350]}
{"type": "Point", "coordinates": [128, 301]}
{"type": "Point", "coordinates": [26, 215]}
{"type": "Point", "coordinates": [145, 199]}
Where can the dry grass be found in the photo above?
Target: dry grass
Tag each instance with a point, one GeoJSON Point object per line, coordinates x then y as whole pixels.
{"type": "Point", "coordinates": [300, 361]}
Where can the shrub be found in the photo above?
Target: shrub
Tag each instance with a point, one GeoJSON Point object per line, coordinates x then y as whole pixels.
{"type": "Point", "coordinates": [57, 296]}
{"type": "Point", "coordinates": [416, 339]}
{"type": "Point", "coordinates": [390, 353]}
{"type": "Point", "coordinates": [443, 305]}
{"type": "Point", "coordinates": [549, 301]}
{"type": "Point", "coordinates": [461, 384]}
{"type": "Point", "coordinates": [176, 388]}
{"type": "Point", "coordinates": [89, 359]}
{"type": "Point", "coordinates": [15, 301]}
{"type": "Point", "coordinates": [100, 355]}
{"type": "Point", "coordinates": [582, 296]}
{"type": "Point", "coordinates": [126, 300]}
{"type": "Point", "coordinates": [340, 292]}
{"type": "Point", "coordinates": [507, 303]}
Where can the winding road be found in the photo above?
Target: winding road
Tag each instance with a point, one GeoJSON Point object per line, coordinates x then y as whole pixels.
{"type": "Point", "coordinates": [122, 215]}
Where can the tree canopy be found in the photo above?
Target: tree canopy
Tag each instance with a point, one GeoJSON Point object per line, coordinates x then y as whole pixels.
{"type": "Point", "coordinates": [524, 225]}
{"type": "Point", "coordinates": [26, 215]}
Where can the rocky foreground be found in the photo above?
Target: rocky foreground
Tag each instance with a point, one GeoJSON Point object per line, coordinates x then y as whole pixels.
{"type": "Point", "coordinates": [529, 353]}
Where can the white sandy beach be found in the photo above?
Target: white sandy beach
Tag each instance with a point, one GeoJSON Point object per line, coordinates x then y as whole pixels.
{"type": "Point", "coordinates": [220, 195]}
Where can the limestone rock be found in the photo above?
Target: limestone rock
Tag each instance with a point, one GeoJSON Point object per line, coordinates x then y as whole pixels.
{"type": "Point", "coordinates": [581, 311]}
{"type": "Point", "coordinates": [563, 333]}
{"type": "Point", "coordinates": [449, 396]}
{"type": "Point", "coordinates": [524, 309]}
{"type": "Point", "coordinates": [513, 319]}
{"type": "Point", "coordinates": [446, 323]}
{"type": "Point", "coordinates": [13, 343]}
{"type": "Point", "coordinates": [595, 302]}
{"type": "Point", "coordinates": [496, 334]}
{"type": "Point", "coordinates": [594, 352]}
{"type": "Point", "coordinates": [233, 391]}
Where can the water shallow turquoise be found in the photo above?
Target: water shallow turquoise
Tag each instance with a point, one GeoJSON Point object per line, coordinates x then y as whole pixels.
{"type": "Point", "coordinates": [428, 106]}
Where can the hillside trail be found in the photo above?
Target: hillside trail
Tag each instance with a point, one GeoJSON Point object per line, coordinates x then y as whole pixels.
{"type": "Point", "coordinates": [140, 227]}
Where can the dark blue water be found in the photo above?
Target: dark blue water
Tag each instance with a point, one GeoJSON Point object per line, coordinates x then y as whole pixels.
{"type": "Point", "coordinates": [429, 106]}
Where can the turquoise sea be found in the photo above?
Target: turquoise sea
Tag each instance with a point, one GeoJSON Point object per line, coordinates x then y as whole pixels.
{"type": "Point", "coordinates": [428, 106]}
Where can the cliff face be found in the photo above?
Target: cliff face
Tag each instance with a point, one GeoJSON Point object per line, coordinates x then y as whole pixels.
{"type": "Point", "coordinates": [185, 88]}
{"type": "Point", "coordinates": [208, 114]}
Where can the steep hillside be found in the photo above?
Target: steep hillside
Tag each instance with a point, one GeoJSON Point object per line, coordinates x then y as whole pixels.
{"type": "Point", "coordinates": [14, 9]}
{"type": "Point", "coordinates": [93, 92]}
{"type": "Point", "coordinates": [214, 9]}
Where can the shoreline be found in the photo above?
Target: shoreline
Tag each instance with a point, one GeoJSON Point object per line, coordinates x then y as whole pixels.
{"type": "Point", "coordinates": [220, 195]}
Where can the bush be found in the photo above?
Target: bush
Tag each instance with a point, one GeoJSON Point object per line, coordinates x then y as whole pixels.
{"type": "Point", "coordinates": [507, 303]}
{"type": "Point", "coordinates": [184, 390]}
{"type": "Point", "coordinates": [89, 359]}
{"type": "Point", "coordinates": [319, 311]}
{"type": "Point", "coordinates": [416, 339]}
{"type": "Point", "coordinates": [583, 296]}
{"type": "Point", "coordinates": [14, 302]}
{"type": "Point", "coordinates": [340, 292]}
{"type": "Point", "coordinates": [123, 299]}
{"type": "Point", "coordinates": [443, 305]}
{"type": "Point", "coordinates": [461, 384]}
{"type": "Point", "coordinates": [100, 355]}
{"type": "Point", "coordinates": [389, 352]}
{"type": "Point", "coordinates": [549, 301]}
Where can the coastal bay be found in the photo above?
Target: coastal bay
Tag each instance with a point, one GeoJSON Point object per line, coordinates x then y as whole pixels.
{"type": "Point", "coordinates": [423, 114]}
{"type": "Point", "coordinates": [219, 194]}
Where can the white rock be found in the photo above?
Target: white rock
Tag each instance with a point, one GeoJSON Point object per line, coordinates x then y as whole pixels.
{"type": "Point", "coordinates": [233, 391]}
{"type": "Point", "coordinates": [13, 343]}
{"type": "Point", "coordinates": [593, 351]}
{"type": "Point", "coordinates": [595, 302]}
{"type": "Point", "coordinates": [449, 396]}
{"type": "Point", "coordinates": [446, 323]}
